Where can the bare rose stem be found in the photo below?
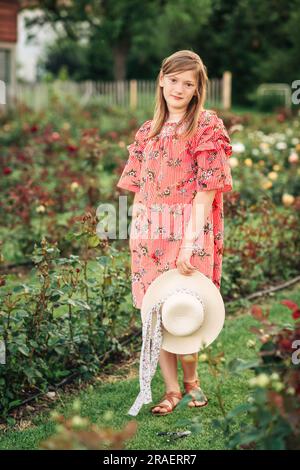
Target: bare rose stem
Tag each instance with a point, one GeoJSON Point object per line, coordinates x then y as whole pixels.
{"type": "Point", "coordinates": [214, 373]}
{"type": "Point", "coordinates": [85, 262]}
{"type": "Point", "coordinates": [70, 324]}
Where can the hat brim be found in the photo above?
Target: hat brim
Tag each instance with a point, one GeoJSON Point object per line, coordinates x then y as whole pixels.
{"type": "Point", "coordinates": [214, 310]}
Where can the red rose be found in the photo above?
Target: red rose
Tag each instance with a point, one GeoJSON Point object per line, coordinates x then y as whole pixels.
{"type": "Point", "coordinates": [285, 344]}
{"type": "Point", "coordinates": [292, 306]}
{"type": "Point", "coordinates": [34, 128]}
{"type": "Point", "coordinates": [280, 117]}
{"type": "Point", "coordinates": [289, 303]}
{"type": "Point", "coordinates": [55, 136]}
{"type": "Point", "coordinates": [21, 157]}
{"type": "Point", "coordinates": [72, 148]}
{"type": "Point", "coordinates": [7, 170]}
{"type": "Point", "coordinates": [296, 314]}
{"type": "Point", "coordinates": [113, 135]}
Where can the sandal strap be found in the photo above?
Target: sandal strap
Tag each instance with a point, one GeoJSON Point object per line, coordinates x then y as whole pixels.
{"type": "Point", "coordinates": [191, 385]}
{"type": "Point", "coordinates": [169, 396]}
{"type": "Point", "coordinates": [163, 405]}
{"type": "Point", "coordinates": [173, 394]}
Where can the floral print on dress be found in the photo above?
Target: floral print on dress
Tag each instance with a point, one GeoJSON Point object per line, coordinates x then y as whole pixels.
{"type": "Point", "coordinates": [166, 173]}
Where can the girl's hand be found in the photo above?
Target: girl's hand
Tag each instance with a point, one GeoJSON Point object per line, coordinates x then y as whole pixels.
{"type": "Point", "coordinates": [183, 262]}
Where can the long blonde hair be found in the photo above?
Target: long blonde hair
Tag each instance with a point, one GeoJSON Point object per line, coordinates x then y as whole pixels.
{"type": "Point", "coordinates": [181, 61]}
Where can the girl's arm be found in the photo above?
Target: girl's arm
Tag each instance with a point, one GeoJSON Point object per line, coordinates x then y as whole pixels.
{"type": "Point", "coordinates": [201, 207]}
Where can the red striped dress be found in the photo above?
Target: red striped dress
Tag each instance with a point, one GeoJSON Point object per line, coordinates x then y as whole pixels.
{"type": "Point", "coordinates": [166, 172]}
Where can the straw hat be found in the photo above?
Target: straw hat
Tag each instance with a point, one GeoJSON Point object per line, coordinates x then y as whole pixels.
{"type": "Point", "coordinates": [180, 314]}
{"type": "Point", "coordinates": [189, 322]}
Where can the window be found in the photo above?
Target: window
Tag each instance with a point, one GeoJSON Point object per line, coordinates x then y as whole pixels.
{"type": "Point", "coordinates": [5, 58]}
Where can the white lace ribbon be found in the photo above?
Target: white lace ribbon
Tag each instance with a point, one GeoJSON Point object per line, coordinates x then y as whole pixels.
{"type": "Point", "coordinates": [150, 352]}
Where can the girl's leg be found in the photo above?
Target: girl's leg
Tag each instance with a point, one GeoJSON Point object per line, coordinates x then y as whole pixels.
{"type": "Point", "coordinates": [190, 373]}
{"type": "Point", "coordinates": [168, 366]}
{"type": "Point", "coordinates": [189, 366]}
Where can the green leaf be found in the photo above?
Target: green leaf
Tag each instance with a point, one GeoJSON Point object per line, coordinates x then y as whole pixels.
{"type": "Point", "coordinates": [54, 297]}
{"type": "Point", "coordinates": [11, 421]}
{"type": "Point", "coordinates": [22, 288]}
{"type": "Point", "coordinates": [239, 365]}
{"type": "Point", "coordinates": [103, 260]}
{"type": "Point", "coordinates": [23, 350]}
{"type": "Point", "coordinates": [93, 241]}
{"type": "Point", "coordinates": [79, 303]}
{"type": "Point", "coordinates": [83, 304]}
{"type": "Point", "coordinates": [59, 350]}
{"type": "Point", "coordinates": [239, 409]}
{"type": "Point", "coordinates": [15, 403]}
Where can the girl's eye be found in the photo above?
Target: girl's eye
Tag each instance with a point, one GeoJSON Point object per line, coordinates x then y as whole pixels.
{"type": "Point", "coordinates": [174, 80]}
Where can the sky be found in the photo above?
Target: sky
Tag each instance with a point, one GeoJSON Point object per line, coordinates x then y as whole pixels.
{"type": "Point", "coordinates": [28, 53]}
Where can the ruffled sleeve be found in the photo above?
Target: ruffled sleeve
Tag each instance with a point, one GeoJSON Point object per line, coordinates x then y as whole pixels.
{"type": "Point", "coordinates": [130, 177]}
{"type": "Point", "coordinates": [211, 153]}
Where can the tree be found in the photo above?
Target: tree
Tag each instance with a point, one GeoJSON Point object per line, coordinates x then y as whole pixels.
{"type": "Point", "coordinates": [124, 24]}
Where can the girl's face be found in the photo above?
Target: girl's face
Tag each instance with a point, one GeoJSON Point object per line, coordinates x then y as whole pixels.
{"type": "Point", "coordinates": [182, 85]}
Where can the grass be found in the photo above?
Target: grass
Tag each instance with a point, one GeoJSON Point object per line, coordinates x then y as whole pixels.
{"type": "Point", "coordinates": [117, 395]}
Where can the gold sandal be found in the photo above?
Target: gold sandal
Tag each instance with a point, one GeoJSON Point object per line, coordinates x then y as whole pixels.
{"type": "Point", "coordinates": [168, 396]}
{"type": "Point", "coordinates": [195, 385]}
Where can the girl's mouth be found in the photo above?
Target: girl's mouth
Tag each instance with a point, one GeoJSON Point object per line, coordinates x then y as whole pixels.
{"type": "Point", "coordinates": [176, 97]}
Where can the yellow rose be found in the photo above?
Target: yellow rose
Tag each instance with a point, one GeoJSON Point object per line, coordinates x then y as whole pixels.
{"type": "Point", "coordinates": [251, 343]}
{"type": "Point", "coordinates": [267, 184]}
{"type": "Point", "coordinates": [273, 175]}
{"type": "Point", "coordinates": [40, 209]}
{"type": "Point", "coordinates": [66, 126]}
{"type": "Point", "coordinates": [74, 186]}
{"type": "Point", "coordinates": [264, 145]}
{"type": "Point", "coordinates": [288, 199]}
{"type": "Point", "coordinates": [261, 380]}
{"type": "Point", "coordinates": [203, 357]}
{"type": "Point", "coordinates": [233, 161]}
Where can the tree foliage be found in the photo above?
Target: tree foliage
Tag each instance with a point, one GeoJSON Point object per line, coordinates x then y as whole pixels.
{"type": "Point", "coordinates": [259, 41]}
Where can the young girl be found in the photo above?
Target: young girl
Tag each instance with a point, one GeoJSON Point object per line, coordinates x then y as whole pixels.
{"type": "Point", "coordinates": [178, 167]}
